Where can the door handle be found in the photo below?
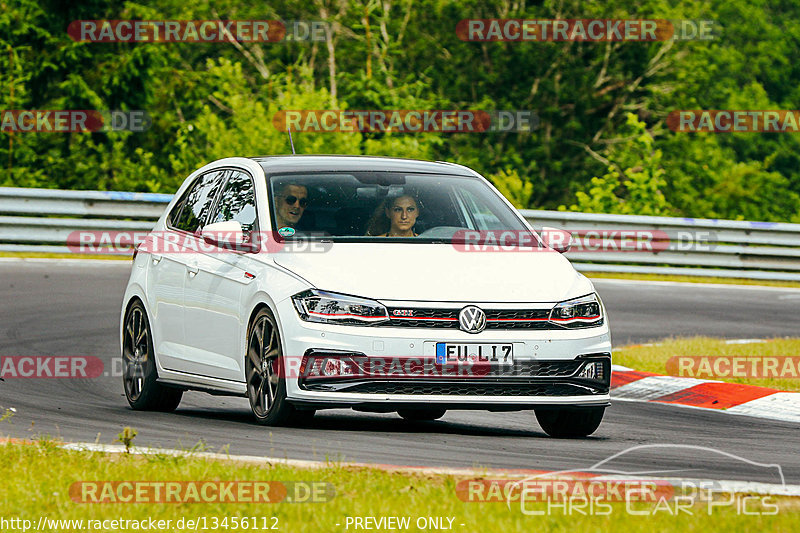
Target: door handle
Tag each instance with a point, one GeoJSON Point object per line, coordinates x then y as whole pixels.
{"type": "Point", "coordinates": [192, 269]}
{"type": "Point", "coordinates": [156, 258]}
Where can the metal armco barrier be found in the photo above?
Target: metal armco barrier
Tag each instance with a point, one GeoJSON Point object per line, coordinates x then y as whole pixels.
{"type": "Point", "coordinates": [694, 246]}
{"type": "Point", "coordinates": [41, 220]}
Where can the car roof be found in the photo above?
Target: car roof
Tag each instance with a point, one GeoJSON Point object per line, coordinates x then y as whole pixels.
{"type": "Point", "coordinates": [342, 163]}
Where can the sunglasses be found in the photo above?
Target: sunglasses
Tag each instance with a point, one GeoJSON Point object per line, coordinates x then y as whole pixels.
{"type": "Point", "coordinates": [291, 200]}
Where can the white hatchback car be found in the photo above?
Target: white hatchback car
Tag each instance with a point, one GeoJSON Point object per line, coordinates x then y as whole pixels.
{"type": "Point", "coordinates": [378, 284]}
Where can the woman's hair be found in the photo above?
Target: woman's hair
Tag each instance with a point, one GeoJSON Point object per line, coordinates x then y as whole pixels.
{"type": "Point", "coordinates": [379, 223]}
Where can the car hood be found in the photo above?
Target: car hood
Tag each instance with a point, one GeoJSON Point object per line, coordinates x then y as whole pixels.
{"type": "Point", "coordinates": [437, 272]}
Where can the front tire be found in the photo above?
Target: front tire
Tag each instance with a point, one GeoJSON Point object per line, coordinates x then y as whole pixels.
{"type": "Point", "coordinates": [139, 374]}
{"type": "Point", "coordinates": [421, 415]}
{"type": "Point", "coordinates": [570, 422]}
{"type": "Point", "coordinates": [266, 385]}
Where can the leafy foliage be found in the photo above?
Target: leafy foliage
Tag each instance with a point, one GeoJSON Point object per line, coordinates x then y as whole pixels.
{"type": "Point", "coordinates": [218, 99]}
{"type": "Point", "coordinates": [625, 189]}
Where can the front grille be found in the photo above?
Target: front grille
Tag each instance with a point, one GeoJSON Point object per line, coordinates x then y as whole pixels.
{"type": "Point", "coordinates": [423, 318]}
{"type": "Point", "coordinates": [470, 389]}
{"type": "Point", "coordinates": [517, 314]}
{"type": "Point", "coordinates": [448, 318]}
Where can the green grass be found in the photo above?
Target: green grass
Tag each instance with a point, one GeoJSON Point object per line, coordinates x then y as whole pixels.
{"type": "Point", "coordinates": [38, 476]}
{"type": "Point", "coordinates": [692, 279]}
{"type": "Point", "coordinates": [654, 358]}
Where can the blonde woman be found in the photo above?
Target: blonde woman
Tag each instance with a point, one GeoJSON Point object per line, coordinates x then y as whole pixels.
{"type": "Point", "coordinates": [395, 217]}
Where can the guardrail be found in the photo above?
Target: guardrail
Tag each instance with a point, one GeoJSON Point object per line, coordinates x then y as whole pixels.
{"type": "Point", "coordinates": [43, 220]}
{"type": "Point", "coordinates": [690, 246]}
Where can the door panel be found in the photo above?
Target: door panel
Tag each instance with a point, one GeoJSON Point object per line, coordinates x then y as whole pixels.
{"type": "Point", "coordinates": [165, 278]}
{"type": "Point", "coordinates": [213, 325]}
{"type": "Point", "coordinates": [215, 322]}
{"type": "Point", "coordinates": [167, 268]}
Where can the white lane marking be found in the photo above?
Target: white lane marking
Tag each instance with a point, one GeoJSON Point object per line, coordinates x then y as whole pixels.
{"type": "Point", "coordinates": [750, 487]}
{"type": "Point", "coordinates": [298, 463]}
{"type": "Point", "coordinates": [779, 406]}
{"type": "Point", "coordinates": [620, 368]}
{"type": "Point", "coordinates": [745, 341]}
{"type": "Point", "coordinates": [688, 284]}
{"type": "Point", "coordinates": [654, 387]}
{"type": "Point", "coordinates": [118, 448]}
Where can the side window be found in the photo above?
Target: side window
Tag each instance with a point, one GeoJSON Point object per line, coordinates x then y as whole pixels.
{"type": "Point", "coordinates": [237, 202]}
{"type": "Point", "coordinates": [198, 201]}
{"type": "Point", "coordinates": [174, 215]}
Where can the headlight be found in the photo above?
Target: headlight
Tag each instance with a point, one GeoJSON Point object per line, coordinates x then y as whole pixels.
{"type": "Point", "coordinates": [328, 307]}
{"type": "Point", "coordinates": [583, 312]}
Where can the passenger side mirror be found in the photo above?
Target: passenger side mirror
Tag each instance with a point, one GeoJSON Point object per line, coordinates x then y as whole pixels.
{"type": "Point", "coordinates": [557, 239]}
{"type": "Point", "coordinates": [229, 235]}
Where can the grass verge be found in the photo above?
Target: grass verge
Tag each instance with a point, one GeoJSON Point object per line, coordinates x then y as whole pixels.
{"type": "Point", "coordinates": [653, 358]}
{"type": "Point", "coordinates": [38, 477]}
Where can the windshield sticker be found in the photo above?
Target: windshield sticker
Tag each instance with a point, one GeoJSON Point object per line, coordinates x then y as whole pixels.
{"type": "Point", "coordinates": [286, 231]}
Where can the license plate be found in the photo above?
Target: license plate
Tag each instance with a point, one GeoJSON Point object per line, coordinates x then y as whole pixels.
{"type": "Point", "coordinates": [453, 353]}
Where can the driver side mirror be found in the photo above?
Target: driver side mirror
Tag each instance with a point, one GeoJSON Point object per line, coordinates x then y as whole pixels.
{"type": "Point", "coordinates": [557, 239]}
{"type": "Point", "coordinates": [228, 235]}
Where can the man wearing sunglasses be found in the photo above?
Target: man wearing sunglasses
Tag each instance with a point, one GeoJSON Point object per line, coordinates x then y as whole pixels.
{"type": "Point", "coordinates": [291, 201]}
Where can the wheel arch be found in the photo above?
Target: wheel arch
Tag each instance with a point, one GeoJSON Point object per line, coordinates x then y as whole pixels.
{"type": "Point", "coordinates": [132, 296]}
{"type": "Point", "coordinates": [261, 302]}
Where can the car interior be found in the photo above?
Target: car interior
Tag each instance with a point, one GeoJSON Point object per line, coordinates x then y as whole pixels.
{"type": "Point", "coordinates": [344, 207]}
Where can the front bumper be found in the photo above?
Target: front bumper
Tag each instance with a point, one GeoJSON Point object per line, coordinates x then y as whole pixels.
{"type": "Point", "coordinates": [525, 387]}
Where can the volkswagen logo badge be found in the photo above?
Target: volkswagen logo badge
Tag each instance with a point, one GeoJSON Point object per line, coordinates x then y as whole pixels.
{"type": "Point", "coordinates": [472, 319]}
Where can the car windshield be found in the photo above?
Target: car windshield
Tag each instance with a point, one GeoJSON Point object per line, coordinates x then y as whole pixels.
{"type": "Point", "coordinates": [375, 206]}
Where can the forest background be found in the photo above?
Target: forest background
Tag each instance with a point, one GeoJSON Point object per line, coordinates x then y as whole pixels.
{"type": "Point", "coordinates": [601, 143]}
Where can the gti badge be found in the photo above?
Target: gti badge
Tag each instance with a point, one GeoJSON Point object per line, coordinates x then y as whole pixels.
{"type": "Point", "coordinates": [472, 319]}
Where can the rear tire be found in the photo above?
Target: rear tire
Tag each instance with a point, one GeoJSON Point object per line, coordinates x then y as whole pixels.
{"type": "Point", "coordinates": [570, 422]}
{"type": "Point", "coordinates": [421, 415]}
{"type": "Point", "coordinates": [139, 374]}
{"type": "Point", "coordinates": [266, 383]}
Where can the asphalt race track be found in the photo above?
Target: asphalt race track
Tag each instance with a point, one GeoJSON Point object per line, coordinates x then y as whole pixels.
{"type": "Point", "coordinates": [72, 308]}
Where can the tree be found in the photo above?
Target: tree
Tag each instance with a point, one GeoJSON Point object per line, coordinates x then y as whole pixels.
{"type": "Point", "coordinates": [634, 181]}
